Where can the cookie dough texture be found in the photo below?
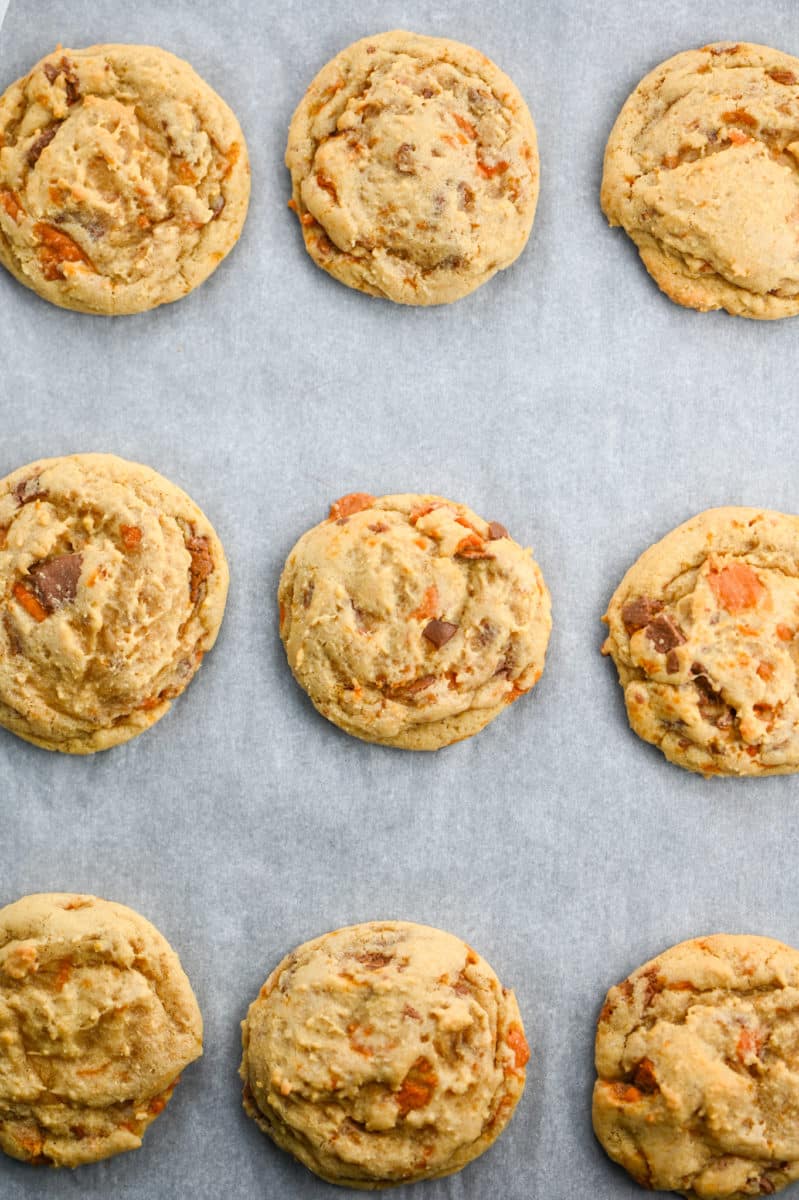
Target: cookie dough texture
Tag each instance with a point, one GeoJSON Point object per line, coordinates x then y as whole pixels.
{"type": "Point", "coordinates": [702, 171]}
{"type": "Point", "coordinates": [411, 621]}
{"type": "Point", "coordinates": [97, 1021]}
{"type": "Point", "coordinates": [124, 179]}
{"type": "Point", "coordinates": [697, 1057]}
{"type": "Point", "coordinates": [703, 631]}
{"type": "Point", "coordinates": [414, 168]}
{"type": "Point", "coordinates": [112, 588]}
{"type": "Point", "coordinates": [382, 1054]}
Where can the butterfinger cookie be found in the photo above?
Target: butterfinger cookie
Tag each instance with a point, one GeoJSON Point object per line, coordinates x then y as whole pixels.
{"type": "Point", "coordinates": [702, 171]}
{"type": "Point", "coordinates": [411, 621]}
{"type": "Point", "coordinates": [697, 1055]}
{"type": "Point", "coordinates": [124, 179]}
{"type": "Point", "coordinates": [703, 632]}
{"type": "Point", "coordinates": [112, 588]}
{"type": "Point", "coordinates": [414, 168]}
{"type": "Point", "coordinates": [97, 1021]}
{"type": "Point", "coordinates": [382, 1054]}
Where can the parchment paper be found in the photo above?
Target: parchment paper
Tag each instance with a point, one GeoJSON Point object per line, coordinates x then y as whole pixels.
{"type": "Point", "coordinates": [568, 399]}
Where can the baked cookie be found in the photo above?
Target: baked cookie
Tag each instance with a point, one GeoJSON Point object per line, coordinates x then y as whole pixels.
{"type": "Point", "coordinates": [97, 1021]}
{"type": "Point", "coordinates": [382, 1054]}
{"type": "Point", "coordinates": [702, 171]}
{"type": "Point", "coordinates": [124, 179]}
{"type": "Point", "coordinates": [697, 1055]}
{"type": "Point", "coordinates": [414, 168]}
{"type": "Point", "coordinates": [703, 631]}
{"type": "Point", "coordinates": [112, 588]}
{"type": "Point", "coordinates": [411, 621]}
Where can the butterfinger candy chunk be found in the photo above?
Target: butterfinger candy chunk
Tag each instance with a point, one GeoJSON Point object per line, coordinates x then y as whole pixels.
{"type": "Point", "coordinates": [697, 1057]}
{"type": "Point", "coordinates": [411, 621]}
{"type": "Point", "coordinates": [124, 179]}
{"type": "Point", "coordinates": [112, 588]}
{"type": "Point", "coordinates": [414, 168]}
{"type": "Point", "coordinates": [702, 171]}
{"type": "Point", "coordinates": [382, 1054]}
{"type": "Point", "coordinates": [97, 1021]}
{"type": "Point", "coordinates": [703, 632]}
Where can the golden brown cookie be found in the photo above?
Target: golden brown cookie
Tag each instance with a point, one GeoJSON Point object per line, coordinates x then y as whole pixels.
{"type": "Point", "coordinates": [697, 1055]}
{"type": "Point", "coordinates": [702, 171]}
{"type": "Point", "coordinates": [411, 621]}
{"type": "Point", "coordinates": [703, 631]}
{"type": "Point", "coordinates": [124, 179]}
{"type": "Point", "coordinates": [382, 1054]}
{"type": "Point", "coordinates": [97, 1021]}
{"type": "Point", "coordinates": [112, 588]}
{"type": "Point", "coordinates": [414, 168]}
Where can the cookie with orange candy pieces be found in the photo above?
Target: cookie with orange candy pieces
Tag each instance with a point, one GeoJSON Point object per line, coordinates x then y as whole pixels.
{"type": "Point", "coordinates": [411, 621]}
{"type": "Point", "coordinates": [382, 1054]}
{"type": "Point", "coordinates": [703, 632]}
{"type": "Point", "coordinates": [97, 1022]}
{"type": "Point", "coordinates": [697, 1059]}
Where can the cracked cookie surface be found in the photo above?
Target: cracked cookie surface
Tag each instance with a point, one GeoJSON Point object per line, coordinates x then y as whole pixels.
{"type": "Point", "coordinates": [383, 1053]}
{"type": "Point", "coordinates": [124, 179]}
{"type": "Point", "coordinates": [112, 588]}
{"type": "Point", "coordinates": [697, 1057]}
{"type": "Point", "coordinates": [414, 168]}
{"type": "Point", "coordinates": [97, 1021]}
{"type": "Point", "coordinates": [702, 171]}
{"type": "Point", "coordinates": [703, 630]}
{"type": "Point", "coordinates": [411, 621]}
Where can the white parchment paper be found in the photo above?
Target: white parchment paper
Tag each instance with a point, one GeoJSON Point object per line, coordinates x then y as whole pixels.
{"type": "Point", "coordinates": [568, 399]}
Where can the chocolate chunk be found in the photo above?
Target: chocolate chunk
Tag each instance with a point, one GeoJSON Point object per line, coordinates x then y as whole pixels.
{"type": "Point", "coordinates": [44, 139]}
{"type": "Point", "coordinates": [202, 565]}
{"type": "Point", "coordinates": [672, 662]}
{"type": "Point", "coordinates": [373, 960]}
{"type": "Point", "coordinates": [416, 685]}
{"type": "Point", "coordinates": [27, 490]}
{"type": "Point", "coordinates": [55, 582]}
{"type": "Point", "coordinates": [664, 633]}
{"type": "Point", "coordinates": [70, 82]}
{"type": "Point", "coordinates": [216, 206]}
{"type": "Point", "coordinates": [655, 984]}
{"type": "Point", "coordinates": [497, 531]}
{"type": "Point", "coordinates": [644, 1078]}
{"type": "Point", "coordinates": [636, 614]}
{"type": "Point", "coordinates": [439, 632]}
{"type": "Point", "coordinates": [51, 71]}
{"type": "Point", "coordinates": [404, 159]}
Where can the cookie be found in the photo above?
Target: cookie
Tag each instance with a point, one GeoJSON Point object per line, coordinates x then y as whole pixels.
{"type": "Point", "coordinates": [411, 621]}
{"type": "Point", "coordinates": [703, 632]}
{"type": "Point", "coordinates": [414, 168]}
{"type": "Point", "coordinates": [97, 1021]}
{"type": "Point", "coordinates": [382, 1054]}
{"type": "Point", "coordinates": [702, 171]}
{"type": "Point", "coordinates": [112, 588]}
{"type": "Point", "coordinates": [124, 179]}
{"type": "Point", "coordinates": [697, 1057]}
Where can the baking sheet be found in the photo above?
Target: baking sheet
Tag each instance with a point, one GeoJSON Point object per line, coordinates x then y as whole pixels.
{"type": "Point", "coordinates": [568, 399]}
